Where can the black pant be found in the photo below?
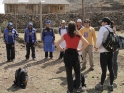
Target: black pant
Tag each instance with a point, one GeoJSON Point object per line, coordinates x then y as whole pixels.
{"type": "Point", "coordinates": [10, 48]}
{"type": "Point", "coordinates": [71, 60]}
{"type": "Point", "coordinates": [61, 54]}
{"type": "Point", "coordinates": [50, 54]}
{"type": "Point", "coordinates": [28, 46]}
{"type": "Point", "coordinates": [106, 60]}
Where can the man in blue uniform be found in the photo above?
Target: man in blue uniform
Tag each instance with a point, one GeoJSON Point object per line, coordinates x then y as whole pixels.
{"type": "Point", "coordinates": [48, 38]}
{"type": "Point", "coordinates": [30, 40]}
{"type": "Point", "coordinates": [9, 38]}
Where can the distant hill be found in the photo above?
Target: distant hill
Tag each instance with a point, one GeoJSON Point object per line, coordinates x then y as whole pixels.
{"type": "Point", "coordinates": [77, 4]}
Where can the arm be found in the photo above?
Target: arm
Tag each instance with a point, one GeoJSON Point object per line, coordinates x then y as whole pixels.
{"type": "Point", "coordinates": [16, 34]}
{"type": "Point", "coordinates": [85, 43]}
{"type": "Point", "coordinates": [43, 35]}
{"type": "Point", "coordinates": [94, 37]}
{"type": "Point", "coordinates": [58, 44]}
{"type": "Point", "coordinates": [53, 36]}
{"type": "Point", "coordinates": [25, 36]}
{"type": "Point", "coordinates": [99, 38]}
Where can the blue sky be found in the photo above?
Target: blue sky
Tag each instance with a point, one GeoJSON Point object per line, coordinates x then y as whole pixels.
{"type": "Point", "coordinates": [1, 7]}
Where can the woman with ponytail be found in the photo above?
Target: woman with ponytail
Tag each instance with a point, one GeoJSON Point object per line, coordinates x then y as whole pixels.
{"type": "Point", "coordinates": [105, 56]}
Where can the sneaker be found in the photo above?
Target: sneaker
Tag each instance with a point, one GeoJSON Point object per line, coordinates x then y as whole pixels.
{"type": "Point", "coordinates": [110, 87]}
{"type": "Point", "coordinates": [99, 87]}
{"type": "Point", "coordinates": [82, 89]}
{"type": "Point", "coordinates": [83, 68]}
{"type": "Point", "coordinates": [26, 59]}
{"type": "Point", "coordinates": [34, 59]}
{"type": "Point", "coordinates": [69, 91]}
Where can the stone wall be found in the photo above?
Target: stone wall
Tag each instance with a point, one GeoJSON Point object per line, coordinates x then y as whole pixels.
{"type": "Point", "coordinates": [22, 20]}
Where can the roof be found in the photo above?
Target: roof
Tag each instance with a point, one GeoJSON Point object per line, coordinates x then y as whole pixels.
{"type": "Point", "coordinates": [35, 2]}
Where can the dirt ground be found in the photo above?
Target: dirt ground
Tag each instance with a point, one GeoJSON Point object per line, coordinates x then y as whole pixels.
{"type": "Point", "coordinates": [48, 76]}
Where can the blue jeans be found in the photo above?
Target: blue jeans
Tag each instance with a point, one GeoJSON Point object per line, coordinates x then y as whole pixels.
{"type": "Point", "coordinates": [115, 63]}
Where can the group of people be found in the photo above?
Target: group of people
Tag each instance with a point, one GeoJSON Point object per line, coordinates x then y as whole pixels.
{"type": "Point", "coordinates": [76, 41]}
{"type": "Point", "coordinates": [71, 56]}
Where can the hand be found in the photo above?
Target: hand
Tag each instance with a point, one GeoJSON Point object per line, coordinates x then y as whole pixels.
{"type": "Point", "coordinates": [78, 50]}
{"type": "Point", "coordinates": [96, 49]}
{"type": "Point", "coordinates": [77, 33]}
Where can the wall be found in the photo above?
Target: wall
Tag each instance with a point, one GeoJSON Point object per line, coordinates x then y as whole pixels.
{"type": "Point", "coordinates": [22, 20]}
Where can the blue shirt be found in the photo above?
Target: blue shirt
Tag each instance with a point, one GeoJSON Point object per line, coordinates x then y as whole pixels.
{"type": "Point", "coordinates": [10, 39]}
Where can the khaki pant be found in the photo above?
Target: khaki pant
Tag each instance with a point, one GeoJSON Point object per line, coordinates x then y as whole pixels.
{"type": "Point", "coordinates": [89, 50]}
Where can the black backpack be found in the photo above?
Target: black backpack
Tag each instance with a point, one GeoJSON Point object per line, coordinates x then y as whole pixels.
{"type": "Point", "coordinates": [111, 44]}
{"type": "Point", "coordinates": [21, 78]}
{"type": "Point", "coordinates": [82, 81]}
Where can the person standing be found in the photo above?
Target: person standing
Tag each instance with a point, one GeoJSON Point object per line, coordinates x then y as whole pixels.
{"type": "Point", "coordinates": [10, 34]}
{"type": "Point", "coordinates": [79, 26]}
{"type": "Point", "coordinates": [71, 56]}
{"type": "Point", "coordinates": [89, 34]}
{"type": "Point", "coordinates": [62, 31]}
{"type": "Point", "coordinates": [48, 39]}
{"type": "Point", "coordinates": [105, 56]}
{"type": "Point", "coordinates": [30, 40]}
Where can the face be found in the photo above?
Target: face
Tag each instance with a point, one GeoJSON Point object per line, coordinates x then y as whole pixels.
{"type": "Point", "coordinates": [63, 24]}
{"type": "Point", "coordinates": [86, 24]}
{"type": "Point", "coordinates": [79, 23]}
{"type": "Point", "coordinates": [10, 27]}
{"type": "Point", "coordinates": [30, 26]}
{"type": "Point", "coordinates": [48, 25]}
{"type": "Point", "coordinates": [103, 23]}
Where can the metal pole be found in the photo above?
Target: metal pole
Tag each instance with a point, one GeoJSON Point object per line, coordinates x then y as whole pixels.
{"type": "Point", "coordinates": [15, 19]}
{"type": "Point", "coordinates": [41, 19]}
{"type": "Point", "coordinates": [83, 10]}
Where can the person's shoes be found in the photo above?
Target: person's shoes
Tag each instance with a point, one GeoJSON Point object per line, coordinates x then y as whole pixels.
{"type": "Point", "coordinates": [13, 60]}
{"type": "Point", "coordinates": [91, 68]}
{"type": "Point", "coordinates": [69, 91]}
{"type": "Point", "coordinates": [8, 61]}
{"type": "Point", "coordinates": [83, 68]}
{"type": "Point", "coordinates": [110, 87]}
{"type": "Point", "coordinates": [51, 58]}
{"type": "Point", "coordinates": [26, 59]}
{"type": "Point", "coordinates": [99, 87]}
{"type": "Point", "coordinates": [81, 89]}
{"type": "Point", "coordinates": [34, 59]}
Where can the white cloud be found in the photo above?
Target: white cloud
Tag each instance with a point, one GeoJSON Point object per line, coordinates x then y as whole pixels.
{"type": "Point", "coordinates": [1, 8]}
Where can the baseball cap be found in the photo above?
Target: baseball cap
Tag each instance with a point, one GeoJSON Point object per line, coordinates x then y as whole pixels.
{"type": "Point", "coordinates": [63, 21]}
{"type": "Point", "coordinates": [10, 24]}
{"type": "Point", "coordinates": [30, 24]}
{"type": "Point", "coordinates": [106, 19]}
{"type": "Point", "coordinates": [48, 21]}
{"type": "Point", "coordinates": [79, 20]}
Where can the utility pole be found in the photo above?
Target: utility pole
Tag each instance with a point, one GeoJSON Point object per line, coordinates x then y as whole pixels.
{"type": "Point", "coordinates": [15, 18]}
{"type": "Point", "coordinates": [41, 19]}
{"type": "Point", "coordinates": [40, 3]}
{"type": "Point", "coordinates": [83, 10]}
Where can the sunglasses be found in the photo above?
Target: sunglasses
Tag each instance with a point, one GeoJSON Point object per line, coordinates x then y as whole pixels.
{"type": "Point", "coordinates": [86, 22]}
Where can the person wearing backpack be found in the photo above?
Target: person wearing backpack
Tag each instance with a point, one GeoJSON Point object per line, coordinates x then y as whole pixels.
{"type": "Point", "coordinates": [30, 40]}
{"type": "Point", "coordinates": [71, 56]}
{"type": "Point", "coordinates": [105, 55]}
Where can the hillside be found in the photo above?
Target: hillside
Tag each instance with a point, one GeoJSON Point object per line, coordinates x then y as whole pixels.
{"type": "Point", "coordinates": [77, 4]}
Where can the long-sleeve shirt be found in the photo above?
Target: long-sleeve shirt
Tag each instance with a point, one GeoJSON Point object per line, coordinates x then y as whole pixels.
{"type": "Point", "coordinates": [101, 37]}
{"type": "Point", "coordinates": [89, 34]}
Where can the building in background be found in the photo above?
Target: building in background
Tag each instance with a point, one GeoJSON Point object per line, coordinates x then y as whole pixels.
{"type": "Point", "coordinates": [33, 6]}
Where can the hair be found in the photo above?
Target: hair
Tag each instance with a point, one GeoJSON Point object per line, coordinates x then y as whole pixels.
{"type": "Point", "coordinates": [71, 28]}
{"type": "Point", "coordinates": [88, 20]}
